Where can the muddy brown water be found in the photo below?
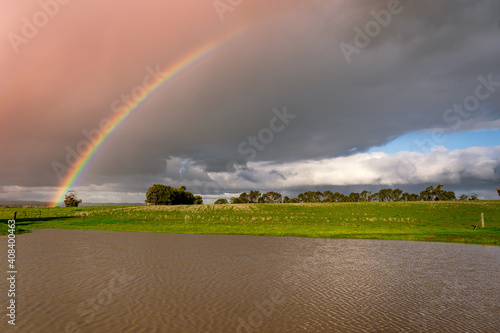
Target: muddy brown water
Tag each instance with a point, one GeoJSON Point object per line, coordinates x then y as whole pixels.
{"type": "Point", "coordinates": [100, 281]}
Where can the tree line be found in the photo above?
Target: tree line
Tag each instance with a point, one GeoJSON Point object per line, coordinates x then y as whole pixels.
{"type": "Point", "coordinates": [431, 193]}
{"type": "Point", "coordinates": [166, 195]}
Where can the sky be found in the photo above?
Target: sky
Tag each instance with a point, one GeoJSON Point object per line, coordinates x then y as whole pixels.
{"type": "Point", "coordinates": [288, 96]}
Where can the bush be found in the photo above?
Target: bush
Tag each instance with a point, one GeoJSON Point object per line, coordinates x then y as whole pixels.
{"type": "Point", "coordinates": [71, 200]}
{"type": "Point", "coordinates": [221, 202]}
{"type": "Point", "coordinates": [166, 195]}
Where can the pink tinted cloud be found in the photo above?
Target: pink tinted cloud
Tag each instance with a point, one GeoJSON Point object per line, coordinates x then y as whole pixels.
{"type": "Point", "coordinates": [64, 75]}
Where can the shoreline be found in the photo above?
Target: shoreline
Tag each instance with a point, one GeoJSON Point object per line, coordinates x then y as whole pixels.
{"type": "Point", "coordinates": [250, 235]}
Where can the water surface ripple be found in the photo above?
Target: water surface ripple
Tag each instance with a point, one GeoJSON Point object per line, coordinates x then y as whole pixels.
{"type": "Point", "coordinates": [100, 281]}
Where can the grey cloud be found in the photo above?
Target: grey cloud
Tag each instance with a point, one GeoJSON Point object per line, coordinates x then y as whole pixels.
{"type": "Point", "coordinates": [468, 168]}
{"type": "Point", "coordinates": [426, 59]}
{"type": "Point", "coordinates": [277, 173]}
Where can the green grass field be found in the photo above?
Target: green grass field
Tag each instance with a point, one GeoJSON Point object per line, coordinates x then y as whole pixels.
{"type": "Point", "coordinates": [450, 221]}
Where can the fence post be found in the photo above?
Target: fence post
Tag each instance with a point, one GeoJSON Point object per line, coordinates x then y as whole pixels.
{"type": "Point", "coordinates": [482, 220]}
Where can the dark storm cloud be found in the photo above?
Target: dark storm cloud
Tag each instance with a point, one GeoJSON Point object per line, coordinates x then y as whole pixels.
{"type": "Point", "coordinates": [428, 58]}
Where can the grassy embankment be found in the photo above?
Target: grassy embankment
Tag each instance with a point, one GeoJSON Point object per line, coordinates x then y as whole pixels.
{"type": "Point", "coordinates": [423, 221]}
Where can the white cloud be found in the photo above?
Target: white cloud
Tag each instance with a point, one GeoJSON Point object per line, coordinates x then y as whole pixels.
{"type": "Point", "coordinates": [437, 166]}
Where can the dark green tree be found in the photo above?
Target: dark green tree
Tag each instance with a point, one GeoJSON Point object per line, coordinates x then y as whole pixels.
{"type": "Point", "coordinates": [375, 197]}
{"type": "Point", "coordinates": [235, 200]}
{"type": "Point", "coordinates": [71, 199]}
{"type": "Point", "coordinates": [396, 194]}
{"type": "Point", "coordinates": [337, 197]}
{"type": "Point", "coordinates": [221, 202]}
{"type": "Point", "coordinates": [286, 199]}
{"type": "Point", "coordinates": [254, 196]}
{"type": "Point", "coordinates": [439, 194]}
{"type": "Point", "coordinates": [414, 197]}
{"type": "Point", "coordinates": [365, 196]}
{"type": "Point", "coordinates": [450, 195]}
{"type": "Point", "coordinates": [328, 196]}
{"type": "Point", "coordinates": [244, 198]}
{"type": "Point", "coordinates": [353, 197]}
{"type": "Point", "coordinates": [310, 196]}
{"type": "Point", "coordinates": [271, 197]}
{"type": "Point", "coordinates": [159, 194]}
{"type": "Point", "coordinates": [385, 194]}
{"type": "Point", "coordinates": [427, 194]}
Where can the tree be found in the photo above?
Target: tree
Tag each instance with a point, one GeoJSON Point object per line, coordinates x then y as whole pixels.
{"type": "Point", "coordinates": [253, 196]}
{"type": "Point", "coordinates": [439, 193]}
{"type": "Point", "coordinates": [414, 197]}
{"type": "Point", "coordinates": [396, 194]}
{"type": "Point", "coordinates": [427, 194]}
{"type": "Point", "coordinates": [221, 202]}
{"type": "Point", "coordinates": [310, 196]}
{"type": "Point", "coordinates": [450, 195]}
{"type": "Point", "coordinates": [473, 196]}
{"type": "Point", "coordinates": [353, 197]}
{"type": "Point", "coordinates": [386, 194]}
{"type": "Point", "coordinates": [235, 200]}
{"type": "Point", "coordinates": [337, 197]}
{"type": "Point", "coordinates": [375, 197]}
{"type": "Point", "coordinates": [71, 199]}
{"type": "Point", "coordinates": [286, 199]}
{"type": "Point", "coordinates": [243, 198]}
{"type": "Point", "coordinates": [498, 190]}
{"type": "Point", "coordinates": [328, 196]}
{"type": "Point", "coordinates": [271, 197]}
{"type": "Point", "coordinates": [153, 194]}
{"type": "Point", "coordinates": [166, 195]}
{"type": "Point", "coordinates": [464, 197]}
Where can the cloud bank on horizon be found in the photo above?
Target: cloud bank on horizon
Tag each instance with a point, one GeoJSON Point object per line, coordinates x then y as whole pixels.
{"type": "Point", "coordinates": [306, 97]}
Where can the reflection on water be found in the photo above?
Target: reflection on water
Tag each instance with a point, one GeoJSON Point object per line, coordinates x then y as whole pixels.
{"type": "Point", "coordinates": [97, 281]}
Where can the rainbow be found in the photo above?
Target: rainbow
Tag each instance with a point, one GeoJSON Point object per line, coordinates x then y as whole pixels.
{"type": "Point", "coordinates": [172, 71]}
